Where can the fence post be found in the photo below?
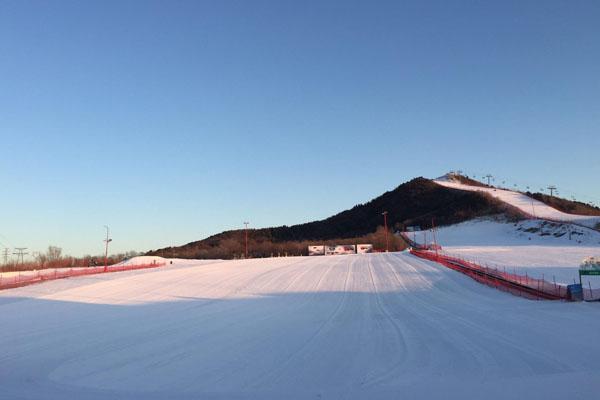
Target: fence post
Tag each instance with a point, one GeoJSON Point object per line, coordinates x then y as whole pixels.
{"type": "Point", "coordinates": [496, 277]}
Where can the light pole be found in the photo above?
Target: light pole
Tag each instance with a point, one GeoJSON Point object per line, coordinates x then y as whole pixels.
{"type": "Point", "coordinates": [434, 238]}
{"type": "Point", "coordinates": [387, 245]}
{"type": "Point", "coordinates": [106, 241]}
{"type": "Point", "coordinates": [489, 177]}
{"type": "Point", "coordinates": [532, 206]}
{"type": "Point", "coordinates": [246, 235]}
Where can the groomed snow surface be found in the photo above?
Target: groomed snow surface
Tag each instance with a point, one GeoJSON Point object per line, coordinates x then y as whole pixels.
{"type": "Point", "coordinates": [376, 326]}
{"type": "Point", "coordinates": [525, 203]}
{"type": "Point", "coordinates": [538, 248]}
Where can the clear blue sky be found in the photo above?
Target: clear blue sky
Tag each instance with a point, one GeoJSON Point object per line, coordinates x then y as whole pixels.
{"type": "Point", "coordinates": [173, 120]}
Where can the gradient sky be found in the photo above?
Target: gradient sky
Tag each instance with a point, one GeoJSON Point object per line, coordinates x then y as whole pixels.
{"type": "Point", "coordinates": [173, 120]}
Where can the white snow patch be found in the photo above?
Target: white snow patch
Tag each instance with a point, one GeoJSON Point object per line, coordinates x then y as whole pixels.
{"type": "Point", "coordinates": [143, 260]}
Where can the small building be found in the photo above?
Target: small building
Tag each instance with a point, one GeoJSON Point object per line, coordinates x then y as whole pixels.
{"type": "Point", "coordinates": [364, 248]}
{"type": "Point", "coordinates": [316, 250]}
{"type": "Point", "coordinates": [320, 250]}
{"type": "Point", "coordinates": [345, 249]}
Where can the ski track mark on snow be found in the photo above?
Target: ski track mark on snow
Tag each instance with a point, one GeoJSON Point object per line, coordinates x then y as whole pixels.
{"type": "Point", "coordinates": [342, 326]}
{"type": "Point", "coordinates": [273, 375]}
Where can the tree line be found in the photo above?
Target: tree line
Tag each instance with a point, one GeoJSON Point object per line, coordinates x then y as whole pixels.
{"type": "Point", "coordinates": [53, 257]}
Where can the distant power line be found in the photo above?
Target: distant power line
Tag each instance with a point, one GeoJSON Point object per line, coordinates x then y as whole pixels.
{"type": "Point", "coordinates": [5, 239]}
{"type": "Point", "coordinates": [20, 253]}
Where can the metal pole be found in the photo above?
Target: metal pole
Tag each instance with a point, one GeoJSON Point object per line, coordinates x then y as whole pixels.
{"type": "Point", "coordinates": [246, 235]}
{"type": "Point", "coordinates": [488, 176]}
{"type": "Point", "coordinates": [387, 245]}
{"type": "Point", "coordinates": [107, 240]}
{"type": "Point", "coordinates": [434, 238]}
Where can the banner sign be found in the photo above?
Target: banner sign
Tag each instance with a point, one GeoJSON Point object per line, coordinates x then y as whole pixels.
{"type": "Point", "coordinates": [320, 250]}
{"type": "Point", "coordinates": [364, 248]}
{"type": "Point", "coordinates": [590, 264]}
{"type": "Point", "coordinates": [316, 250]}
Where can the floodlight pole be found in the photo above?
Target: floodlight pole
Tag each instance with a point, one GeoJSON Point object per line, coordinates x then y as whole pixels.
{"type": "Point", "coordinates": [387, 245]}
{"type": "Point", "coordinates": [106, 241]}
{"type": "Point", "coordinates": [246, 235]}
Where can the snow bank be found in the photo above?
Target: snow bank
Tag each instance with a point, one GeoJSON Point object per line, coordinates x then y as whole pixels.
{"type": "Point", "coordinates": [142, 260]}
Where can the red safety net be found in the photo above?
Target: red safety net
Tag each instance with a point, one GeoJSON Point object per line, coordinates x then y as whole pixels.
{"type": "Point", "coordinates": [520, 285]}
{"type": "Point", "coordinates": [25, 278]}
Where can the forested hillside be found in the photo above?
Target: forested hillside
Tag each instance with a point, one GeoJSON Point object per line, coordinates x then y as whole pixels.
{"type": "Point", "coordinates": [416, 202]}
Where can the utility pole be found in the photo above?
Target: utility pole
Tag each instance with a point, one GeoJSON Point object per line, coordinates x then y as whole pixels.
{"type": "Point", "coordinates": [20, 253]}
{"type": "Point", "coordinates": [106, 241]}
{"type": "Point", "coordinates": [387, 243]}
{"type": "Point", "coordinates": [551, 188]}
{"type": "Point", "coordinates": [246, 237]}
{"type": "Point", "coordinates": [488, 177]}
{"type": "Point", "coordinates": [6, 251]}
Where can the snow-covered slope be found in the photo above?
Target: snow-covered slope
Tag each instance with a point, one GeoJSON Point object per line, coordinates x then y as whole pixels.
{"type": "Point", "coordinates": [536, 247]}
{"type": "Point", "coordinates": [380, 326]}
{"type": "Point", "coordinates": [497, 231]}
{"type": "Point", "coordinates": [524, 203]}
